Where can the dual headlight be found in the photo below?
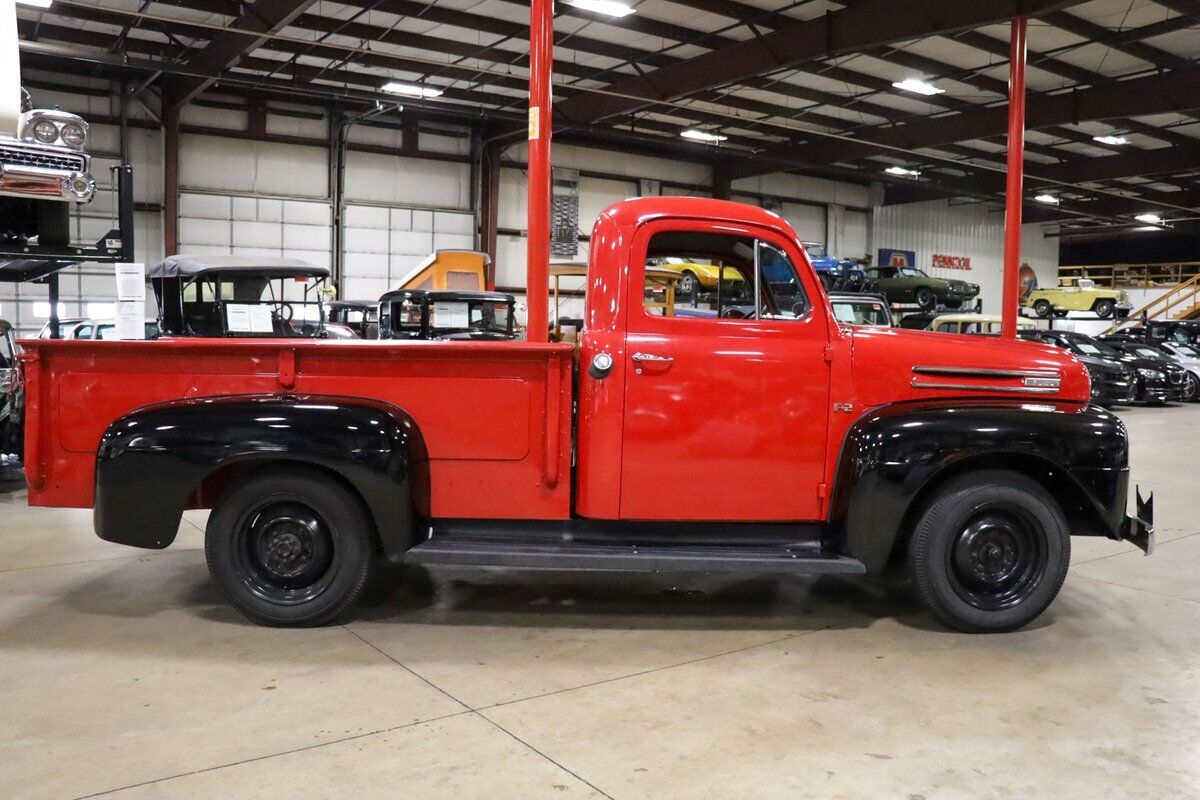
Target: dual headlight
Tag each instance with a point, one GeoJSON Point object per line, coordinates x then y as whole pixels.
{"type": "Point", "coordinates": [48, 131]}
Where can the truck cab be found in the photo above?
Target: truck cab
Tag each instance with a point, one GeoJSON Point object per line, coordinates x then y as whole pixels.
{"type": "Point", "coordinates": [756, 435]}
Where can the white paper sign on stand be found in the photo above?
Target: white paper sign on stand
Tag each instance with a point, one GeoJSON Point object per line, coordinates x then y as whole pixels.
{"type": "Point", "coordinates": [131, 300]}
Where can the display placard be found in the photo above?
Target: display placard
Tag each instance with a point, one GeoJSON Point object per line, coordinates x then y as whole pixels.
{"type": "Point", "coordinates": [131, 300]}
{"type": "Point", "coordinates": [248, 318]}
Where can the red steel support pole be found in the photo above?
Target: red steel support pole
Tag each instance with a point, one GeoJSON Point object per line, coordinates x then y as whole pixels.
{"type": "Point", "coordinates": [541, 68]}
{"type": "Point", "coordinates": [1016, 180]}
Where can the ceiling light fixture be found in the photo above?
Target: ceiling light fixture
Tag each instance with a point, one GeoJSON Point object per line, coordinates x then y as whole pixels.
{"type": "Point", "coordinates": [1150, 218]}
{"type": "Point", "coordinates": [911, 173]}
{"type": "Point", "coordinates": [411, 90]}
{"type": "Point", "coordinates": [1047, 198]}
{"type": "Point", "coordinates": [918, 86]}
{"type": "Point", "coordinates": [35, 3]}
{"type": "Point", "coordinates": [1110, 139]}
{"type": "Point", "coordinates": [610, 8]}
{"type": "Point", "coordinates": [702, 136]}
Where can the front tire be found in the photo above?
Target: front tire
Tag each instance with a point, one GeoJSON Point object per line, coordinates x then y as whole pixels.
{"type": "Point", "coordinates": [1043, 308]}
{"type": "Point", "coordinates": [1191, 389]}
{"type": "Point", "coordinates": [289, 548]}
{"type": "Point", "coordinates": [926, 299]}
{"type": "Point", "coordinates": [1104, 308]}
{"type": "Point", "coordinates": [689, 285]}
{"type": "Point", "coordinates": [989, 552]}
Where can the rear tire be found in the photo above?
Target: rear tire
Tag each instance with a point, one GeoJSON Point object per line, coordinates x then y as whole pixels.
{"type": "Point", "coordinates": [289, 548]}
{"type": "Point", "coordinates": [689, 284]}
{"type": "Point", "coordinates": [989, 552]}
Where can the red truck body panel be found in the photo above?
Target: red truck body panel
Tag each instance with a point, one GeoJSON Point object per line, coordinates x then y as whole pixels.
{"type": "Point", "coordinates": [495, 416]}
{"type": "Point", "coordinates": [744, 422]}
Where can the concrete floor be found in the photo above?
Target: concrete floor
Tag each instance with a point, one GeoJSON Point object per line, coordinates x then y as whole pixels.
{"type": "Point", "coordinates": [122, 674]}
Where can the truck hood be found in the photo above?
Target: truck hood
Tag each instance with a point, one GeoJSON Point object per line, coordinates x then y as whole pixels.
{"type": "Point", "coordinates": [894, 364]}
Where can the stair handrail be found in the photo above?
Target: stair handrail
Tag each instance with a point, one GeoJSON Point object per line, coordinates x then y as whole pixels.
{"type": "Point", "coordinates": [1175, 296]}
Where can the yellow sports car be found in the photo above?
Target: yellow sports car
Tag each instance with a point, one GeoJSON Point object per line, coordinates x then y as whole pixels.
{"type": "Point", "coordinates": [1083, 296]}
{"type": "Point", "coordinates": [695, 276]}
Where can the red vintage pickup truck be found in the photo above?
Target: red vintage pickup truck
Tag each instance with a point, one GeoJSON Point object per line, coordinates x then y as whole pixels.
{"type": "Point", "coordinates": [751, 434]}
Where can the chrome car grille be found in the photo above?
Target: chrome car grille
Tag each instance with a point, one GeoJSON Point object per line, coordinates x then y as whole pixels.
{"type": "Point", "coordinates": [37, 158]}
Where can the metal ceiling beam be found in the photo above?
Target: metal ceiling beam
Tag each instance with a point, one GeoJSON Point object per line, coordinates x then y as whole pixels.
{"type": "Point", "coordinates": [1154, 94]}
{"type": "Point", "coordinates": [1091, 31]}
{"type": "Point", "coordinates": [228, 47]}
{"type": "Point", "coordinates": [852, 29]}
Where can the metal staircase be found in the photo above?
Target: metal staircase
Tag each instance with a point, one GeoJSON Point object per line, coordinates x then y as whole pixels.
{"type": "Point", "coordinates": [1182, 302]}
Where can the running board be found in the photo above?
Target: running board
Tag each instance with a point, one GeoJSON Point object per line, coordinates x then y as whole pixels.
{"type": "Point", "coordinates": [475, 551]}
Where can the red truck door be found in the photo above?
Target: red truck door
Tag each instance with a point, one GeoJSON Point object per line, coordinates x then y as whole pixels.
{"type": "Point", "coordinates": [726, 399]}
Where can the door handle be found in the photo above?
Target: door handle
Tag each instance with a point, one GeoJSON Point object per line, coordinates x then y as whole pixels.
{"type": "Point", "coordinates": [650, 357]}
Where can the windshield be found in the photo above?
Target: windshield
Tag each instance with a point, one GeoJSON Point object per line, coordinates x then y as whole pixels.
{"type": "Point", "coordinates": [912, 272]}
{"type": "Point", "coordinates": [860, 312]}
{"type": "Point", "coordinates": [448, 316]}
{"type": "Point", "coordinates": [1187, 350]}
{"type": "Point", "coordinates": [1090, 347]}
{"type": "Point", "coordinates": [253, 305]}
{"type": "Point", "coordinates": [815, 250]}
{"type": "Point", "coordinates": [1147, 352]}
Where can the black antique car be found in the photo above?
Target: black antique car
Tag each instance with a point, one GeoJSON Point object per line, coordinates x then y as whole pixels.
{"type": "Point", "coordinates": [447, 314]}
{"type": "Point", "coordinates": [359, 316]}
{"type": "Point", "coordinates": [1113, 379]}
{"type": "Point", "coordinates": [237, 296]}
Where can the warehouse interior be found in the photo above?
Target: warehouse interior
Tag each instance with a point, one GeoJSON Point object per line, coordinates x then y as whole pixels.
{"type": "Point", "coordinates": [364, 137]}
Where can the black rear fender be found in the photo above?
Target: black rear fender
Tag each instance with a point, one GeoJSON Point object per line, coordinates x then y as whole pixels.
{"type": "Point", "coordinates": [158, 460]}
{"type": "Point", "coordinates": [895, 457]}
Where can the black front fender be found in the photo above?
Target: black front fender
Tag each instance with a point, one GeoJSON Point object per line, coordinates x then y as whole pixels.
{"type": "Point", "coordinates": [894, 454]}
{"type": "Point", "coordinates": [151, 461]}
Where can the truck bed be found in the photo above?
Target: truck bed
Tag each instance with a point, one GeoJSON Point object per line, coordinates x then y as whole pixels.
{"type": "Point", "coordinates": [496, 416]}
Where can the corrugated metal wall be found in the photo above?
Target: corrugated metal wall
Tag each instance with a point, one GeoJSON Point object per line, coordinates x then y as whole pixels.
{"type": "Point", "coordinates": [970, 230]}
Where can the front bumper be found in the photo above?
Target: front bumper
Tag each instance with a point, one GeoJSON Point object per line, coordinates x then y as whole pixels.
{"type": "Point", "coordinates": [43, 183]}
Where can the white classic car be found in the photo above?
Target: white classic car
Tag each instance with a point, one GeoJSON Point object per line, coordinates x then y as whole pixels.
{"type": "Point", "coordinates": [43, 161]}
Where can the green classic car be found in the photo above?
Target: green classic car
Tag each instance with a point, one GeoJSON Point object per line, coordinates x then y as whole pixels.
{"type": "Point", "coordinates": [908, 285]}
{"type": "Point", "coordinates": [1083, 296]}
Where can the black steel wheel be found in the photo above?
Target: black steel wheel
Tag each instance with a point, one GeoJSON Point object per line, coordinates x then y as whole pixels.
{"type": "Point", "coordinates": [990, 551]}
{"type": "Point", "coordinates": [289, 548]}
{"type": "Point", "coordinates": [1043, 308]}
{"type": "Point", "coordinates": [926, 299]}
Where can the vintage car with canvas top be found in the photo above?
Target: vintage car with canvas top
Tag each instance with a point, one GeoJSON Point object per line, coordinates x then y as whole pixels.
{"type": "Point", "coordinates": [1083, 296]}
{"type": "Point", "coordinates": [837, 449]}
{"type": "Point", "coordinates": [446, 314]}
{"type": "Point", "coordinates": [909, 285]}
{"type": "Point", "coordinates": [44, 171]}
{"type": "Point", "coordinates": [240, 296]}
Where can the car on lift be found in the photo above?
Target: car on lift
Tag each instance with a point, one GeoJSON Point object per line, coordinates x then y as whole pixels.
{"type": "Point", "coordinates": [447, 314]}
{"type": "Point", "coordinates": [861, 309]}
{"type": "Point", "coordinates": [45, 171]}
{"type": "Point", "coordinates": [1113, 380]}
{"type": "Point", "coordinates": [240, 296]}
{"type": "Point", "coordinates": [697, 276]}
{"type": "Point", "coordinates": [908, 285]}
{"type": "Point", "coordinates": [1083, 296]}
{"type": "Point", "coordinates": [1160, 379]}
{"type": "Point", "coordinates": [836, 274]}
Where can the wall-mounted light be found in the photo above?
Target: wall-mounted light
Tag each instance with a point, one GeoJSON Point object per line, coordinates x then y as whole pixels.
{"type": "Point", "coordinates": [702, 136]}
{"type": "Point", "coordinates": [1047, 198]}
{"type": "Point", "coordinates": [610, 8]}
{"type": "Point", "coordinates": [1110, 139]}
{"type": "Point", "coordinates": [903, 171]}
{"type": "Point", "coordinates": [1149, 218]}
{"type": "Point", "coordinates": [918, 86]}
{"type": "Point", "coordinates": [410, 90]}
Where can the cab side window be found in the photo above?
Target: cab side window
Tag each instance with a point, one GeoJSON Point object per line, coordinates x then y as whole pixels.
{"type": "Point", "coordinates": [721, 276]}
